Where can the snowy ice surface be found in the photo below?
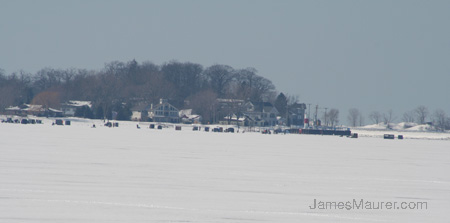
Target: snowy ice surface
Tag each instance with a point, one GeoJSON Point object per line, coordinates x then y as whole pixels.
{"type": "Point", "coordinates": [81, 174]}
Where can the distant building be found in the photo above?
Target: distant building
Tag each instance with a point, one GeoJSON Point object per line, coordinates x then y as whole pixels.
{"type": "Point", "coordinates": [69, 108]}
{"type": "Point", "coordinates": [13, 110]}
{"type": "Point", "coordinates": [230, 104]}
{"type": "Point", "coordinates": [54, 112]}
{"type": "Point", "coordinates": [36, 110]}
{"type": "Point", "coordinates": [140, 112]}
{"type": "Point", "coordinates": [164, 112]}
{"type": "Point", "coordinates": [187, 117]}
{"type": "Point", "coordinates": [234, 120]}
{"type": "Point", "coordinates": [261, 113]}
{"type": "Point", "coordinates": [296, 115]}
{"type": "Point", "coordinates": [239, 112]}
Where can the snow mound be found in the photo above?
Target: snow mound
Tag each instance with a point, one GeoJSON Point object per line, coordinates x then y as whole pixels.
{"type": "Point", "coordinates": [422, 128]}
{"type": "Point", "coordinates": [407, 126]}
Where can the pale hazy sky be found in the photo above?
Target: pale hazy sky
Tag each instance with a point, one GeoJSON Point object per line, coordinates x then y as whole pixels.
{"type": "Point", "coordinates": [372, 55]}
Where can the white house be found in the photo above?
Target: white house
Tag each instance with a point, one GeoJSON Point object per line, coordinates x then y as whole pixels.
{"type": "Point", "coordinates": [164, 112]}
{"type": "Point", "coordinates": [262, 113]}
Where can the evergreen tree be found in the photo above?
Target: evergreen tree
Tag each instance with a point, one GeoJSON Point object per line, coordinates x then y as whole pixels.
{"type": "Point", "coordinates": [281, 104]}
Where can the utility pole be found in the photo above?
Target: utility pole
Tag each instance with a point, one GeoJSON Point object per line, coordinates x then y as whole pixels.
{"type": "Point", "coordinates": [309, 112]}
{"type": "Point", "coordinates": [315, 116]}
{"type": "Point", "coordinates": [326, 122]}
{"type": "Point", "coordinates": [287, 115]}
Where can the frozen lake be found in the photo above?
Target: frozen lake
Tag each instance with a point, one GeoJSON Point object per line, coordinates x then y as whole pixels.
{"type": "Point", "coordinates": [82, 174]}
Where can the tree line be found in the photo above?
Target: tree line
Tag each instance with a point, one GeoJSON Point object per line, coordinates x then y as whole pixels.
{"type": "Point", "coordinates": [121, 85]}
{"type": "Point", "coordinates": [421, 115]}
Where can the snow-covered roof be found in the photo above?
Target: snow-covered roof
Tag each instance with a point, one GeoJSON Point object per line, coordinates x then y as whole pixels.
{"type": "Point", "coordinates": [192, 117]}
{"type": "Point", "coordinates": [79, 103]}
{"type": "Point", "coordinates": [234, 118]}
{"type": "Point", "coordinates": [36, 108]}
{"type": "Point", "coordinates": [15, 108]}
{"type": "Point", "coordinates": [187, 114]}
{"type": "Point", "coordinates": [55, 110]}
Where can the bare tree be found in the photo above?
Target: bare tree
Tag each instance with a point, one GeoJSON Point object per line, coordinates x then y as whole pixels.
{"type": "Point", "coordinates": [408, 116]}
{"type": "Point", "coordinates": [48, 99]}
{"type": "Point", "coordinates": [204, 103]}
{"type": "Point", "coordinates": [388, 117]}
{"type": "Point", "coordinates": [353, 116]}
{"type": "Point", "coordinates": [421, 114]}
{"type": "Point", "coordinates": [7, 96]}
{"type": "Point", "coordinates": [252, 86]}
{"type": "Point", "coordinates": [333, 116]}
{"type": "Point", "coordinates": [375, 116]}
{"type": "Point", "coordinates": [440, 119]}
{"type": "Point", "coordinates": [292, 99]}
{"type": "Point", "coordinates": [361, 119]}
{"type": "Point", "coordinates": [12, 90]}
{"type": "Point", "coordinates": [219, 78]}
{"type": "Point", "coordinates": [15, 89]}
{"type": "Point", "coordinates": [186, 77]}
